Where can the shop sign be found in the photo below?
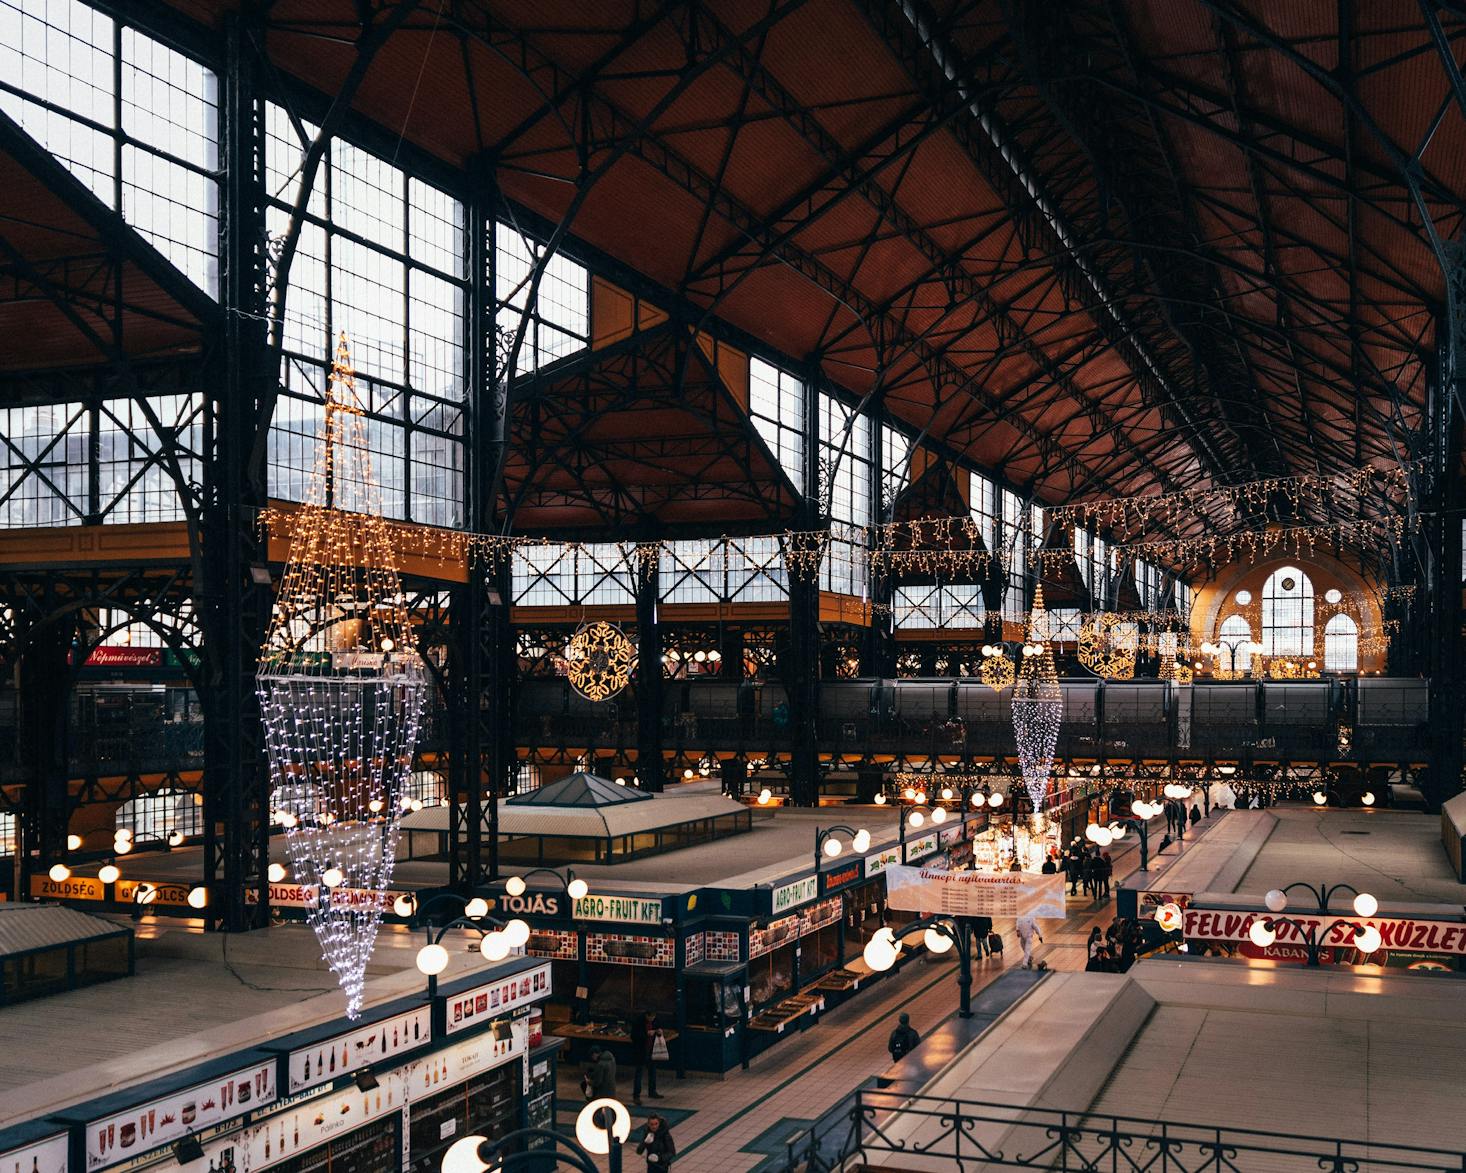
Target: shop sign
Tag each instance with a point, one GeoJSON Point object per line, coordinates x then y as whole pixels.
{"type": "Point", "coordinates": [163, 1121]}
{"type": "Point", "coordinates": [995, 894]}
{"type": "Point", "coordinates": [920, 848]}
{"type": "Point", "coordinates": [633, 909]}
{"type": "Point", "coordinates": [1445, 938]}
{"type": "Point", "coordinates": [792, 895]}
{"type": "Point", "coordinates": [314, 1122]}
{"type": "Point", "coordinates": [1149, 901]}
{"type": "Point", "coordinates": [950, 835]}
{"type": "Point", "coordinates": [324, 1061]}
{"type": "Point", "coordinates": [477, 1006]}
{"type": "Point", "coordinates": [881, 860]}
{"type": "Point", "coordinates": [546, 904]}
{"type": "Point", "coordinates": [76, 888]}
{"type": "Point", "coordinates": [166, 892]}
{"type": "Point", "coordinates": [125, 657]}
{"type": "Point", "coordinates": [51, 1155]}
{"type": "Point", "coordinates": [309, 895]}
{"type": "Point", "coordinates": [849, 874]}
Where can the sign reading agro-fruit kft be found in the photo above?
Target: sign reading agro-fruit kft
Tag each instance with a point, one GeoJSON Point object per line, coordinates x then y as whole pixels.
{"type": "Point", "coordinates": [1002, 894]}
{"type": "Point", "coordinates": [637, 910]}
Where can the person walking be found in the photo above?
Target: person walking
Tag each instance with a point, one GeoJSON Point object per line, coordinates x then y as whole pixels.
{"type": "Point", "coordinates": [1087, 872]}
{"type": "Point", "coordinates": [599, 1080]}
{"type": "Point", "coordinates": [1104, 868]}
{"type": "Point", "coordinates": [1195, 815]}
{"type": "Point", "coordinates": [1072, 870]}
{"type": "Point", "coordinates": [656, 1143]}
{"type": "Point", "coordinates": [645, 1035]}
{"type": "Point", "coordinates": [982, 928]}
{"type": "Point", "coordinates": [1027, 930]}
{"type": "Point", "coordinates": [903, 1039]}
{"type": "Point", "coordinates": [1049, 866]}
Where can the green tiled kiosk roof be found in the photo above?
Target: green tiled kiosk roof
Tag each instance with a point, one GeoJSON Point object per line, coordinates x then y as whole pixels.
{"type": "Point", "coordinates": [580, 790]}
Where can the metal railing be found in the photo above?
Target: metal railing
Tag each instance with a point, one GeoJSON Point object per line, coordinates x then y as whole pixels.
{"type": "Point", "coordinates": [889, 1130]}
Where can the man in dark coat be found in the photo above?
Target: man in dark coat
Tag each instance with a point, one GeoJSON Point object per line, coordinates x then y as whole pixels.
{"type": "Point", "coordinates": [644, 1031]}
{"type": "Point", "coordinates": [903, 1039]}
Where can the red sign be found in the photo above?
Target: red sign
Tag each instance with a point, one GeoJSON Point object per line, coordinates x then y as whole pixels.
{"type": "Point", "coordinates": [845, 875]}
{"type": "Point", "coordinates": [1335, 934]}
{"type": "Point", "coordinates": [125, 657]}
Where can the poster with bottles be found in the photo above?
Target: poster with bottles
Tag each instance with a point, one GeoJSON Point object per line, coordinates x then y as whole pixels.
{"type": "Point", "coordinates": [477, 1006]}
{"type": "Point", "coordinates": [125, 1135]}
{"type": "Point", "coordinates": [43, 1156]}
{"type": "Point", "coordinates": [322, 1118]}
{"type": "Point", "coordinates": [328, 1060]}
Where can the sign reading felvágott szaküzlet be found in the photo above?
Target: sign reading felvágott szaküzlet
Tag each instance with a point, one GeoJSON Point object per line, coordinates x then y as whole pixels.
{"type": "Point", "coordinates": [800, 892]}
{"type": "Point", "coordinates": [996, 894]}
{"type": "Point", "coordinates": [633, 909]}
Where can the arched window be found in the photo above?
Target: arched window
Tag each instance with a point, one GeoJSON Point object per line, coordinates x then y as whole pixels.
{"type": "Point", "coordinates": [1234, 632]}
{"type": "Point", "coordinates": [1341, 645]}
{"type": "Point", "coordinates": [1287, 613]}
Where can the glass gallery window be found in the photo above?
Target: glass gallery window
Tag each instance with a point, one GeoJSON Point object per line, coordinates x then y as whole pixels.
{"type": "Point", "coordinates": [381, 258]}
{"type": "Point", "coordinates": [1341, 645]}
{"type": "Point", "coordinates": [1287, 613]}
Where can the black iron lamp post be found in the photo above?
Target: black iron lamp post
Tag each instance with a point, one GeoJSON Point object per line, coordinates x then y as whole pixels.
{"type": "Point", "coordinates": [882, 950]}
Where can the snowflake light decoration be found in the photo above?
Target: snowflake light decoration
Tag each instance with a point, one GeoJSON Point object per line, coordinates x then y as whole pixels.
{"type": "Point", "coordinates": [1038, 709]}
{"type": "Point", "coordinates": [599, 659]}
{"type": "Point", "coordinates": [997, 672]}
{"type": "Point", "coordinates": [342, 691]}
{"type": "Point", "coordinates": [1107, 646]}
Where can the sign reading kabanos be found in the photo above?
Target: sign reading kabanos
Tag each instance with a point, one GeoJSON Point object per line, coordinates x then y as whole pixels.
{"type": "Point", "coordinates": [1422, 936]}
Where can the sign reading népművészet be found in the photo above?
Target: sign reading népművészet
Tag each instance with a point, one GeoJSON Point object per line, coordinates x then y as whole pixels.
{"type": "Point", "coordinates": [995, 894]}
{"type": "Point", "coordinates": [637, 910]}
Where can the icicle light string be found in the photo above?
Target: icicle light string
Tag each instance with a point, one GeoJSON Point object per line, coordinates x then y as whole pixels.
{"type": "Point", "coordinates": [342, 691]}
{"type": "Point", "coordinates": [891, 549]}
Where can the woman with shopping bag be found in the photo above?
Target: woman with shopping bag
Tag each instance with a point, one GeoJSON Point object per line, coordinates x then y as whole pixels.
{"type": "Point", "coordinates": [648, 1048]}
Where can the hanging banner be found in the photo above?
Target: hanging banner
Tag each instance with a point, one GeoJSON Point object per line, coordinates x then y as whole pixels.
{"type": "Point", "coordinates": [995, 894]}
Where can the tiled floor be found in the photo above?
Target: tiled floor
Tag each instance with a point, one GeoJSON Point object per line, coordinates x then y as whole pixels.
{"type": "Point", "coordinates": [739, 1123]}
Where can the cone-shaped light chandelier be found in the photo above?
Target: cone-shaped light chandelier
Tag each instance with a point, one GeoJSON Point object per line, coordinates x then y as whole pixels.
{"type": "Point", "coordinates": [1038, 706]}
{"type": "Point", "coordinates": [342, 691]}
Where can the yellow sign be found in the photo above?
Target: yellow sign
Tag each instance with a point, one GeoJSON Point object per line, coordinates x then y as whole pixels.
{"type": "Point", "coordinates": [76, 888]}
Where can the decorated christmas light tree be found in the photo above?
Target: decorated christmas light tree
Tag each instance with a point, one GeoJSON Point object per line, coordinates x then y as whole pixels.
{"type": "Point", "coordinates": [342, 690]}
{"type": "Point", "coordinates": [1038, 705]}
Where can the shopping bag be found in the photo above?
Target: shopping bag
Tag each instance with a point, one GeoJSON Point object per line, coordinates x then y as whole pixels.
{"type": "Point", "coordinates": [659, 1047]}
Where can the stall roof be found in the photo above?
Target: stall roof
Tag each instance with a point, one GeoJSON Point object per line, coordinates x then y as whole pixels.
{"type": "Point", "coordinates": [27, 928]}
{"type": "Point", "coordinates": [591, 821]}
{"type": "Point", "coordinates": [579, 790]}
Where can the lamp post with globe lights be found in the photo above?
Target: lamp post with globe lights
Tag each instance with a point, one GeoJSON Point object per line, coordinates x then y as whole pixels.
{"type": "Point", "coordinates": [1366, 939]}
{"type": "Point", "coordinates": [601, 1129]}
{"type": "Point", "coordinates": [827, 845]}
{"type": "Point", "coordinates": [938, 934]}
{"type": "Point", "coordinates": [499, 938]}
{"type": "Point", "coordinates": [1103, 834]}
{"type": "Point", "coordinates": [573, 888]}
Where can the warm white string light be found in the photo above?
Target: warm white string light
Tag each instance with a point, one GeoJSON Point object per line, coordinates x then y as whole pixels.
{"type": "Point", "coordinates": [1038, 707]}
{"type": "Point", "coordinates": [342, 691]}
